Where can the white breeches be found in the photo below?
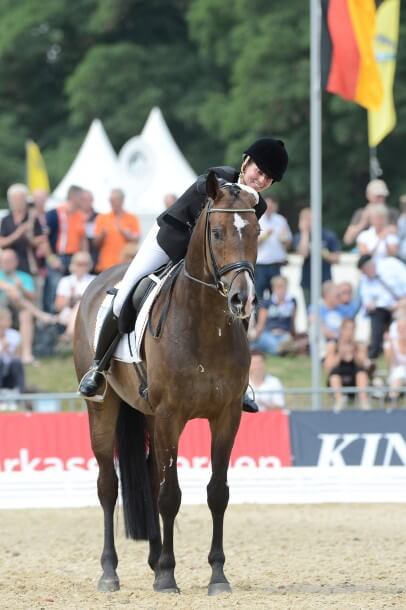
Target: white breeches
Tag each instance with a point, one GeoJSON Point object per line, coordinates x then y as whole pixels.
{"type": "Point", "coordinates": [149, 257]}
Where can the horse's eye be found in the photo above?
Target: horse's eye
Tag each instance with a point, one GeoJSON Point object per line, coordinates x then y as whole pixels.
{"type": "Point", "coordinates": [217, 233]}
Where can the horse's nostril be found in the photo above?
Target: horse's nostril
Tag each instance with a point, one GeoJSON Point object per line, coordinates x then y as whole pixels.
{"type": "Point", "coordinates": [238, 300]}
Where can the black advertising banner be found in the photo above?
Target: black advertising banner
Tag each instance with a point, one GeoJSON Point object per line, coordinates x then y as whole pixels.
{"type": "Point", "coordinates": [351, 438]}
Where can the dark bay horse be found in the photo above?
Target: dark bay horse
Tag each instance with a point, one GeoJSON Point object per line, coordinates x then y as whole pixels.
{"type": "Point", "coordinates": [197, 367]}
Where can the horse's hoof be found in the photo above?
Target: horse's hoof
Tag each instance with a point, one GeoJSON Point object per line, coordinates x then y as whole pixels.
{"type": "Point", "coordinates": [108, 585]}
{"type": "Point", "coordinates": [216, 588]}
{"type": "Point", "coordinates": [169, 590]}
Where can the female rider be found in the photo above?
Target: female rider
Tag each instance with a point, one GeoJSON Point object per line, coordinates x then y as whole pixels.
{"type": "Point", "coordinates": [264, 162]}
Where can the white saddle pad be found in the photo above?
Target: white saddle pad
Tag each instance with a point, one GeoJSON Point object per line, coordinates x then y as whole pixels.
{"type": "Point", "coordinates": [129, 348]}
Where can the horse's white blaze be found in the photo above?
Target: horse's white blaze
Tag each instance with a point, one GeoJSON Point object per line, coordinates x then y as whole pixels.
{"type": "Point", "coordinates": [239, 223]}
{"type": "Point", "coordinates": [251, 294]}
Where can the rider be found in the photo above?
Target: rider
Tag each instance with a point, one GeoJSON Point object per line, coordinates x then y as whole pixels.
{"type": "Point", "coordinates": [264, 162]}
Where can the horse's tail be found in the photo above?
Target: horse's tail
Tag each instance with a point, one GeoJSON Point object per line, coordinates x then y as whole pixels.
{"type": "Point", "coordinates": [139, 514]}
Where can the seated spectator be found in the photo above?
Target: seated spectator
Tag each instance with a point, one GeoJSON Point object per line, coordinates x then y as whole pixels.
{"type": "Point", "coordinates": [395, 355]}
{"type": "Point", "coordinates": [347, 365]}
{"type": "Point", "coordinates": [402, 228]}
{"type": "Point", "coordinates": [330, 316]}
{"type": "Point", "coordinates": [273, 242]}
{"type": "Point", "coordinates": [348, 304]}
{"type": "Point", "coordinates": [17, 291]}
{"type": "Point", "coordinates": [376, 194]}
{"type": "Point", "coordinates": [11, 367]}
{"type": "Point", "coordinates": [20, 230]}
{"type": "Point", "coordinates": [380, 239]}
{"type": "Point", "coordinates": [269, 393]}
{"type": "Point", "coordinates": [70, 290]}
{"type": "Point", "coordinates": [275, 328]}
{"type": "Point", "coordinates": [114, 230]}
{"type": "Point", "coordinates": [302, 244]}
{"type": "Point", "coordinates": [382, 291]}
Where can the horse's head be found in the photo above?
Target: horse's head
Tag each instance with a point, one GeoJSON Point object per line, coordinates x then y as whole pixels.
{"type": "Point", "coordinates": [229, 229]}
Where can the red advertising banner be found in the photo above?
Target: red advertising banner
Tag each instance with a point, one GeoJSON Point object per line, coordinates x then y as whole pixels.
{"type": "Point", "coordinates": [60, 441]}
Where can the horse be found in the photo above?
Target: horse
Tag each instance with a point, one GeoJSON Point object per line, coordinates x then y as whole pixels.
{"type": "Point", "coordinates": [197, 367]}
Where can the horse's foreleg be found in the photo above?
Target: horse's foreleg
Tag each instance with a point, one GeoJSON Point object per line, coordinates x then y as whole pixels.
{"type": "Point", "coordinates": [223, 431]}
{"type": "Point", "coordinates": [167, 432]}
{"type": "Point", "coordinates": [103, 420]}
{"type": "Point", "coordinates": [155, 545]}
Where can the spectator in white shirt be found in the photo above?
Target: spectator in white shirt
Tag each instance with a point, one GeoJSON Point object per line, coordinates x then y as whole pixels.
{"type": "Point", "coordinates": [70, 290]}
{"type": "Point", "coordinates": [268, 389]}
{"type": "Point", "coordinates": [382, 291]}
{"type": "Point", "coordinates": [381, 238]}
{"type": "Point", "coordinates": [273, 242]}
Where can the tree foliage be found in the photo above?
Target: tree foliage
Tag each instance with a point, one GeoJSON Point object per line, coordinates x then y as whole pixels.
{"type": "Point", "coordinates": [221, 76]}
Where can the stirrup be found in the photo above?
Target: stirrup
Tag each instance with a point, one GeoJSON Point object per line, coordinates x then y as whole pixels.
{"type": "Point", "coordinates": [97, 397]}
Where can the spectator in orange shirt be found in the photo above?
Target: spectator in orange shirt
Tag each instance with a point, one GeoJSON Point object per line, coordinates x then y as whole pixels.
{"type": "Point", "coordinates": [113, 230]}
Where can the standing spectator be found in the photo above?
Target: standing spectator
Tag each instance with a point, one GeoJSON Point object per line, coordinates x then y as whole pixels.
{"type": "Point", "coordinates": [114, 230]}
{"type": "Point", "coordinates": [346, 364]}
{"type": "Point", "coordinates": [348, 304]}
{"type": "Point", "coordinates": [12, 374]}
{"type": "Point", "coordinates": [19, 230]}
{"type": "Point", "coordinates": [67, 231]}
{"type": "Point", "coordinates": [402, 228]}
{"type": "Point", "coordinates": [275, 328]}
{"type": "Point", "coordinates": [86, 205]}
{"type": "Point", "coordinates": [376, 194]}
{"type": "Point", "coordinates": [302, 244]}
{"type": "Point", "coordinates": [382, 289]}
{"type": "Point", "coordinates": [273, 242]}
{"type": "Point", "coordinates": [169, 200]}
{"type": "Point", "coordinates": [268, 389]}
{"type": "Point", "coordinates": [380, 239]}
{"type": "Point", "coordinates": [70, 290]}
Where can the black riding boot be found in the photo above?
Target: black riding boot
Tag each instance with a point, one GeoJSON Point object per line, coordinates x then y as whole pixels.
{"type": "Point", "coordinates": [248, 404]}
{"type": "Point", "coordinates": [106, 346]}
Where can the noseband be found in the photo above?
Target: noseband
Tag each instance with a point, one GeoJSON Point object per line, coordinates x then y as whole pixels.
{"type": "Point", "coordinates": [217, 271]}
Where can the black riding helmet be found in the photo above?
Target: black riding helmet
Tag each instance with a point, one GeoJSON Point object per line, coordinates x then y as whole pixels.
{"type": "Point", "coordinates": [270, 155]}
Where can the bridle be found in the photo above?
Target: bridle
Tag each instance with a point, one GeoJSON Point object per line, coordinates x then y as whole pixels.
{"type": "Point", "coordinates": [217, 271]}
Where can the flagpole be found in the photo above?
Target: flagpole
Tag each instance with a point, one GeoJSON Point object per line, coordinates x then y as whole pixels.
{"type": "Point", "coordinates": [315, 194]}
{"type": "Point", "coordinates": [375, 169]}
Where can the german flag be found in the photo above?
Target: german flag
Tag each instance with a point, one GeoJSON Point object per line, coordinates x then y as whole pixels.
{"type": "Point", "coordinates": [349, 66]}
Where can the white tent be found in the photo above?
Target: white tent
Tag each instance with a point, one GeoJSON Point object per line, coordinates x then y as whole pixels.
{"type": "Point", "coordinates": [154, 166]}
{"type": "Point", "coordinates": [95, 168]}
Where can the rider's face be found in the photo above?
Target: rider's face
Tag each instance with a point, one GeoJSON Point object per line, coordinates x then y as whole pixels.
{"type": "Point", "coordinates": [255, 178]}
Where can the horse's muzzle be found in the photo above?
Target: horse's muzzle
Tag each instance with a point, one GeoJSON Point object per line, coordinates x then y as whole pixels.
{"type": "Point", "coordinates": [242, 299]}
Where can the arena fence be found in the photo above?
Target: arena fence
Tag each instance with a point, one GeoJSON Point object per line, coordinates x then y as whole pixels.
{"type": "Point", "coordinates": [293, 398]}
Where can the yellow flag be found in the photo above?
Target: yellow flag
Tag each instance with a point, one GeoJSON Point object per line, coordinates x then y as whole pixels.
{"type": "Point", "coordinates": [37, 177]}
{"type": "Point", "coordinates": [382, 121]}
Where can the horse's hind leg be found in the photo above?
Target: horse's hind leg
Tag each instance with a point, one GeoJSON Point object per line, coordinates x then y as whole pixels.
{"type": "Point", "coordinates": [223, 431]}
{"type": "Point", "coordinates": [103, 420]}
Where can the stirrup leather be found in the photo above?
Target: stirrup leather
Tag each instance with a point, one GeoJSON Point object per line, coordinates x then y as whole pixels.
{"type": "Point", "coordinates": [101, 395]}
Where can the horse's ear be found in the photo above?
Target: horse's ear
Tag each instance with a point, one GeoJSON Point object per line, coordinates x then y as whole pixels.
{"type": "Point", "coordinates": [212, 186]}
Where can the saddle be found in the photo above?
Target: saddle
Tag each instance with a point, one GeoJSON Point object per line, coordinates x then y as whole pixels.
{"type": "Point", "coordinates": [137, 297]}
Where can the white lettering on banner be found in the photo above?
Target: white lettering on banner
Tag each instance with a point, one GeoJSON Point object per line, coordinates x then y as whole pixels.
{"type": "Point", "coordinates": [24, 464]}
{"type": "Point", "coordinates": [246, 461]}
{"type": "Point", "coordinates": [333, 445]}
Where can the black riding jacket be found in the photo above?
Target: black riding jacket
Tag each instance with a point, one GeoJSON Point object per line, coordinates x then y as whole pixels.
{"type": "Point", "coordinates": [177, 222]}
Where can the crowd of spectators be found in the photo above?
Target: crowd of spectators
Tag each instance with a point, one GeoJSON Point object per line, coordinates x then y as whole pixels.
{"type": "Point", "coordinates": [48, 256]}
{"type": "Point", "coordinates": [376, 234]}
